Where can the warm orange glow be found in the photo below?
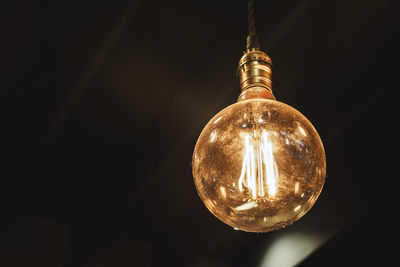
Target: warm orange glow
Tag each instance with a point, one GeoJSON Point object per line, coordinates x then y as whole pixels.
{"type": "Point", "coordinates": [259, 165]}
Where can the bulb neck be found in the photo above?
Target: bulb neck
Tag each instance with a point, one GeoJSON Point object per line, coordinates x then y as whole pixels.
{"type": "Point", "coordinates": [255, 71]}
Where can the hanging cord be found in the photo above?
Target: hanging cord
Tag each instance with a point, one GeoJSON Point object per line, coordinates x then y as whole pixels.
{"type": "Point", "coordinates": [252, 40]}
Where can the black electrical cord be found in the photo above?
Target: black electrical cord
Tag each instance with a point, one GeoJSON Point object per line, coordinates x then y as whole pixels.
{"type": "Point", "coordinates": [252, 40]}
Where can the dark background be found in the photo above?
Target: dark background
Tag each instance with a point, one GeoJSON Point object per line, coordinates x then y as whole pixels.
{"type": "Point", "coordinates": [102, 103]}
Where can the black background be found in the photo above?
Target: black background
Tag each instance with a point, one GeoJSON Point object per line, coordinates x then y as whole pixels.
{"type": "Point", "coordinates": [102, 103]}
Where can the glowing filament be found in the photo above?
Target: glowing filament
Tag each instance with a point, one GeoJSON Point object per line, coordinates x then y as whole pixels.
{"type": "Point", "coordinates": [259, 170]}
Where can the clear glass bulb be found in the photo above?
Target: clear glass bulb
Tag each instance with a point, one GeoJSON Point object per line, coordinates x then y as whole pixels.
{"type": "Point", "coordinates": [259, 165]}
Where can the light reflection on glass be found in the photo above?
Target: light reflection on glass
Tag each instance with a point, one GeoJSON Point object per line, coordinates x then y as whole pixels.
{"type": "Point", "coordinates": [247, 205]}
{"type": "Point", "coordinates": [212, 136]}
{"type": "Point", "coordinates": [301, 130]}
{"type": "Point", "coordinates": [296, 187]}
{"type": "Point", "coordinates": [217, 120]}
{"type": "Point", "coordinates": [223, 191]}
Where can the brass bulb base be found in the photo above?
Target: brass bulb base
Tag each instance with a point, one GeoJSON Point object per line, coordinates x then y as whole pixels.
{"type": "Point", "coordinates": [255, 70]}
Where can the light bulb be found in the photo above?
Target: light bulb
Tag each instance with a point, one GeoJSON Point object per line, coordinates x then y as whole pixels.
{"type": "Point", "coordinates": [259, 164]}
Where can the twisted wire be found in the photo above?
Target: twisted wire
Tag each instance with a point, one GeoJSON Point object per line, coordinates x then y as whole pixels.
{"type": "Point", "coordinates": [252, 40]}
{"type": "Point", "coordinates": [251, 20]}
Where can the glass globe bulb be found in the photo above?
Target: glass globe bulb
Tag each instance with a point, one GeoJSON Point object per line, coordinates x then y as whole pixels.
{"type": "Point", "coordinates": [259, 165]}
